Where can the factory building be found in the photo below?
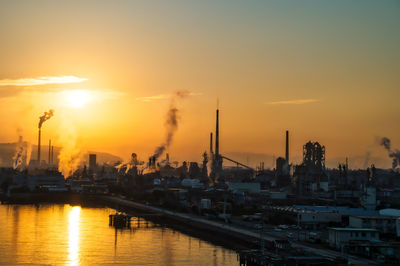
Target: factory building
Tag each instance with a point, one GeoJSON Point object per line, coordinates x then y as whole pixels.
{"type": "Point", "coordinates": [383, 223]}
{"type": "Point", "coordinates": [340, 237]}
{"type": "Point", "coordinates": [310, 176]}
{"type": "Point", "coordinates": [305, 217]}
{"type": "Point", "coordinates": [92, 163]}
{"type": "Point", "coordinates": [248, 187]}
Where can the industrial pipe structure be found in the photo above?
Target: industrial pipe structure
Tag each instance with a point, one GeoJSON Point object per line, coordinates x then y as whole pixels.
{"type": "Point", "coordinates": [49, 151]}
{"type": "Point", "coordinates": [287, 147]}
{"type": "Point", "coordinates": [211, 143]}
{"type": "Point", "coordinates": [236, 162]}
{"type": "Point", "coordinates": [38, 153]}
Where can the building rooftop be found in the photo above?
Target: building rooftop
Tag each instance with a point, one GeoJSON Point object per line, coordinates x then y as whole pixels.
{"type": "Point", "coordinates": [341, 209]}
{"type": "Point", "coordinates": [380, 217]}
{"type": "Point", "coordinates": [353, 229]}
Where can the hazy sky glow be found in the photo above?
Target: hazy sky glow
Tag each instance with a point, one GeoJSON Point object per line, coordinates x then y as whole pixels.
{"type": "Point", "coordinates": [327, 71]}
{"type": "Point", "coordinates": [301, 101]}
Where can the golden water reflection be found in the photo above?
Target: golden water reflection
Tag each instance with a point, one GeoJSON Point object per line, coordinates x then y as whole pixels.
{"type": "Point", "coordinates": [73, 232]}
{"type": "Point", "coordinates": [52, 234]}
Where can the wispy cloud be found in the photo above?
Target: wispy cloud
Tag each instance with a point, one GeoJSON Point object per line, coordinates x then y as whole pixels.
{"type": "Point", "coordinates": [165, 96]}
{"type": "Point", "coordinates": [41, 81]}
{"type": "Point", "coordinates": [153, 98]}
{"type": "Point", "coordinates": [299, 101]}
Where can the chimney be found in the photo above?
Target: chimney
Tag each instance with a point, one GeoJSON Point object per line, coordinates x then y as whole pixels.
{"type": "Point", "coordinates": [287, 147]}
{"type": "Point", "coordinates": [92, 163]}
{"type": "Point", "coordinates": [38, 156]}
{"type": "Point", "coordinates": [211, 143]}
{"type": "Point", "coordinates": [49, 151]}
{"type": "Point", "coordinates": [52, 154]}
{"type": "Point", "coordinates": [217, 135]}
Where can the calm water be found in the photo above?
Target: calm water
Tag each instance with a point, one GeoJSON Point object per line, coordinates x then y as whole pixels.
{"type": "Point", "coordinates": [66, 235]}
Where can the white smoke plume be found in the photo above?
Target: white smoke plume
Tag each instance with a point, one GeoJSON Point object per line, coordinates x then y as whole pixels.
{"type": "Point", "coordinates": [70, 155]}
{"type": "Point", "coordinates": [46, 116]}
{"type": "Point", "coordinates": [171, 123]}
{"type": "Point", "coordinates": [126, 167]}
{"type": "Point", "coordinates": [394, 154]}
{"type": "Point", "coordinates": [22, 155]}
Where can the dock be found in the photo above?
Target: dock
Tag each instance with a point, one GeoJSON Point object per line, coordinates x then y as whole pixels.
{"type": "Point", "coordinates": [127, 220]}
{"type": "Point", "coordinates": [120, 220]}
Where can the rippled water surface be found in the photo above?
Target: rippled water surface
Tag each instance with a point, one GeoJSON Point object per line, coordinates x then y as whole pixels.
{"type": "Point", "coordinates": [66, 235]}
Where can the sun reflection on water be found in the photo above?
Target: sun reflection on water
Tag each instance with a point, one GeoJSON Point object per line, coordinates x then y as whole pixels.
{"type": "Point", "coordinates": [73, 230]}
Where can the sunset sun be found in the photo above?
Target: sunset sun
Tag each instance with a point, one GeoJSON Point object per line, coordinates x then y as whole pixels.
{"type": "Point", "coordinates": [77, 98]}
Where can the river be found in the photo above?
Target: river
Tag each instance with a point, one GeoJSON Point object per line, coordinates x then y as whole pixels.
{"type": "Point", "coordinates": [72, 235]}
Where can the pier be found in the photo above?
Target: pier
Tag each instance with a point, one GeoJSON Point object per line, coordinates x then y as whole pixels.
{"type": "Point", "coordinates": [120, 220]}
{"type": "Point", "coordinates": [124, 220]}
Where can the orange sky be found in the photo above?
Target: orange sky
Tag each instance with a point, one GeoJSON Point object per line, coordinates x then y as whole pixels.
{"type": "Point", "coordinates": [328, 72]}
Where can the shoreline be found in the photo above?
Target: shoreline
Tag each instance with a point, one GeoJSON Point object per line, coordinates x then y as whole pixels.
{"type": "Point", "coordinates": [194, 225]}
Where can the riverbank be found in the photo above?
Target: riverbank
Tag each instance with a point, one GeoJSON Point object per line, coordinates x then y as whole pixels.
{"type": "Point", "coordinates": [51, 198]}
{"type": "Point", "coordinates": [233, 238]}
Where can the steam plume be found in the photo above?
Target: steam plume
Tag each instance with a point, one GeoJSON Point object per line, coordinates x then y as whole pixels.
{"type": "Point", "coordinates": [22, 155]}
{"type": "Point", "coordinates": [385, 142]}
{"type": "Point", "coordinates": [70, 155]}
{"type": "Point", "coordinates": [134, 162]}
{"type": "Point", "coordinates": [171, 124]}
{"type": "Point", "coordinates": [366, 160]}
{"type": "Point", "coordinates": [394, 154]}
{"type": "Point", "coordinates": [46, 116]}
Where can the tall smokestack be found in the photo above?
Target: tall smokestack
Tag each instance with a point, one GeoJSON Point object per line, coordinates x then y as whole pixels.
{"type": "Point", "coordinates": [46, 116]}
{"type": "Point", "coordinates": [211, 142]}
{"type": "Point", "coordinates": [52, 154]}
{"type": "Point", "coordinates": [287, 147]}
{"type": "Point", "coordinates": [49, 151]}
{"type": "Point", "coordinates": [217, 135]}
{"type": "Point", "coordinates": [38, 152]}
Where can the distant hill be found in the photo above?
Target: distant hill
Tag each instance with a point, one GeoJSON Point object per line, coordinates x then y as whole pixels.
{"type": "Point", "coordinates": [7, 151]}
